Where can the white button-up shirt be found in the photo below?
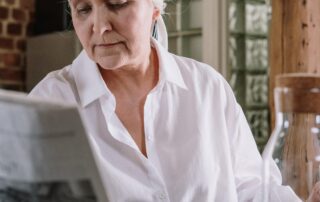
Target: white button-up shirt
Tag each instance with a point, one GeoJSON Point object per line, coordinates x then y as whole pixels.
{"type": "Point", "coordinates": [198, 143]}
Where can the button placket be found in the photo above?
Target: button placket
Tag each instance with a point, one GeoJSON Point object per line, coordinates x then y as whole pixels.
{"type": "Point", "coordinates": [157, 183]}
{"type": "Point", "coordinates": [148, 117]}
{"type": "Point", "coordinates": [151, 108]}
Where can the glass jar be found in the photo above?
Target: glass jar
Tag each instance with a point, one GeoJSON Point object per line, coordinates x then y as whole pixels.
{"type": "Point", "coordinates": [294, 145]}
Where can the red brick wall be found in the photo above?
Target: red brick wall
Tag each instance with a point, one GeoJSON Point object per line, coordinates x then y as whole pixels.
{"type": "Point", "coordinates": [15, 25]}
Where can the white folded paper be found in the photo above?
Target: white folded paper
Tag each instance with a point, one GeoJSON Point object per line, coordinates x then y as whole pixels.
{"type": "Point", "coordinates": [45, 154]}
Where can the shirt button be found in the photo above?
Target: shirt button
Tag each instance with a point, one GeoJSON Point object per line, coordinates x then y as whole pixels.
{"type": "Point", "coordinates": [162, 196]}
{"type": "Point", "coordinates": [149, 137]}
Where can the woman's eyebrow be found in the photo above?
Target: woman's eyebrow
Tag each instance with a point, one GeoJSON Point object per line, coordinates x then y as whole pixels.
{"type": "Point", "coordinates": [73, 2]}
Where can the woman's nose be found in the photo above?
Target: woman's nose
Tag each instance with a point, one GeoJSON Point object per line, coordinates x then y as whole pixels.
{"type": "Point", "coordinates": [101, 22]}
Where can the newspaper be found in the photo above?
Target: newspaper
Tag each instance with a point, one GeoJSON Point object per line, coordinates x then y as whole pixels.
{"type": "Point", "coordinates": [45, 154]}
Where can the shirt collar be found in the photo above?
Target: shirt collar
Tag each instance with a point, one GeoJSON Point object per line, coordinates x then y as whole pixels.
{"type": "Point", "coordinates": [88, 79]}
{"type": "Point", "coordinates": [91, 85]}
{"type": "Point", "coordinates": [169, 69]}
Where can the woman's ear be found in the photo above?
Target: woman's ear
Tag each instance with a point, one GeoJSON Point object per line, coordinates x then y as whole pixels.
{"type": "Point", "coordinates": [156, 14]}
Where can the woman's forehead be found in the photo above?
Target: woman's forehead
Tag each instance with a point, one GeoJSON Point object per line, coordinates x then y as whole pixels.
{"type": "Point", "coordinates": [159, 4]}
{"type": "Point", "coordinates": [155, 2]}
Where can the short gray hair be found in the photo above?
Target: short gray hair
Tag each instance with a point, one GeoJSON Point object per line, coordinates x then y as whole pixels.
{"type": "Point", "coordinates": [160, 4]}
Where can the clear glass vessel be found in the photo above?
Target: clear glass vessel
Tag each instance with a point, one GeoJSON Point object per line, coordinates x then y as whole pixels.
{"type": "Point", "coordinates": [295, 142]}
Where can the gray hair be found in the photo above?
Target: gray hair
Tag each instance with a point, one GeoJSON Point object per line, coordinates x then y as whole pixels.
{"type": "Point", "coordinates": [160, 4]}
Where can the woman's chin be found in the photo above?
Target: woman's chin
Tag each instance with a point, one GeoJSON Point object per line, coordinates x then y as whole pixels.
{"type": "Point", "coordinates": [110, 63]}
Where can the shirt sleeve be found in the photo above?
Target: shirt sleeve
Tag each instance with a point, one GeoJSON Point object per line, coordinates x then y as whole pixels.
{"type": "Point", "coordinates": [53, 88]}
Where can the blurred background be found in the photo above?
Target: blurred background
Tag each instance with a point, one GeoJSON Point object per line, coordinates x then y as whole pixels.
{"type": "Point", "coordinates": [36, 37]}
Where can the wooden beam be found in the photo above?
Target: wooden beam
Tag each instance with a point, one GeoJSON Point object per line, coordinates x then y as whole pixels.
{"type": "Point", "coordinates": [294, 40]}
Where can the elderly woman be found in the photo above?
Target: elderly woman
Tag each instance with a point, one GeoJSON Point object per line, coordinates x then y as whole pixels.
{"type": "Point", "coordinates": [163, 127]}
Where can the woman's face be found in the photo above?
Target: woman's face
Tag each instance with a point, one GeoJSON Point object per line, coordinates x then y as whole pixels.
{"type": "Point", "coordinates": [114, 33]}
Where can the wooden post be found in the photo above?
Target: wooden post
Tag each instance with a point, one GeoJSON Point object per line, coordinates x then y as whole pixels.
{"type": "Point", "coordinates": [294, 40]}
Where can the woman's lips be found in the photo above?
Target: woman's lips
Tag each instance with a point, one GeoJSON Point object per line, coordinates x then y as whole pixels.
{"type": "Point", "coordinates": [108, 44]}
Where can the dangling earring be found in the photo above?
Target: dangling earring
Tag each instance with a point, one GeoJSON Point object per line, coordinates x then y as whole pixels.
{"type": "Point", "coordinates": [155, 30]}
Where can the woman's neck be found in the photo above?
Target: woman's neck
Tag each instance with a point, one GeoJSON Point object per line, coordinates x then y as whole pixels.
{"type": "Point", "coordinates": [133, 81]}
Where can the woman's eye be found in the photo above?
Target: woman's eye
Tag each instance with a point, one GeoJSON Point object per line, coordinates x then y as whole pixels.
{"type": "Point", "coordinates": [117, 6]}
{"type": "Point", "coordinates": [83, 10]}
